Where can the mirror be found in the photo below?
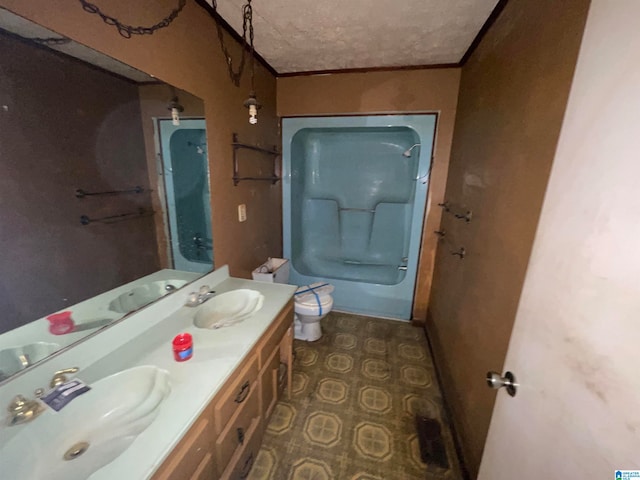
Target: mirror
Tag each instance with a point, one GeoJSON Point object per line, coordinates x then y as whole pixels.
{"type": "Point", "coordinates": [105, 203]}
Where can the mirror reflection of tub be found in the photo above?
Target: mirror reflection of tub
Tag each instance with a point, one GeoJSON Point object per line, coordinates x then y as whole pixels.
{"type": "Point", "coordinates": [188, 206]}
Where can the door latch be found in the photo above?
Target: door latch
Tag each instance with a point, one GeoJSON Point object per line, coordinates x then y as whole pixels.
{"type": "Point", "coordinates": [496, 381]}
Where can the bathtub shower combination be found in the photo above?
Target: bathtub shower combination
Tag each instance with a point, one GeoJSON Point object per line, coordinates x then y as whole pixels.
{"type": "Point", "coordinates": [188, 206]}
{"type": "Point", "coordinates": [354, 193]}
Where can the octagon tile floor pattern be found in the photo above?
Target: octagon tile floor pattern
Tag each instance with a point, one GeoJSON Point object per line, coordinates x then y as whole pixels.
{"type": "Point", "coordinates": [351, 416]}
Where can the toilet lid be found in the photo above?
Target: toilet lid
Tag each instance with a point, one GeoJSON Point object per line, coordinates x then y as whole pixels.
{"type": "Point", "coordinates": [315, 294]}
{"type": "Point", "coordinates": [323, 301]}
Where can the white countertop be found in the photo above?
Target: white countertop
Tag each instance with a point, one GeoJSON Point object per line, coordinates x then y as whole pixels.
{"type": "Point", "coordinates": [145, 338]}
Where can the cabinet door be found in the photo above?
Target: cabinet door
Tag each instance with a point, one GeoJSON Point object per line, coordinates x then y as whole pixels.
{"type": "Point", "coordinates": [269, 384]}
{"type": "Point", "coordinates": [274, 334]}
{"type": "Point", "coordinates": [286, 358]}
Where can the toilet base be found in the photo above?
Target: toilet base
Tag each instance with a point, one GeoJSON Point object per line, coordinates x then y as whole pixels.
{"type": "Point", "coordinates": [309, 332]}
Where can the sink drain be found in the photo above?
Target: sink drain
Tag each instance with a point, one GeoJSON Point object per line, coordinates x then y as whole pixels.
{"type": "Point", "coordinates": [76, 450]}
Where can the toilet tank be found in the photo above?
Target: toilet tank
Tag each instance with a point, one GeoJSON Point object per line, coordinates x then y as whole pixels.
{"type": "Point", "coordinates": [274, 270]}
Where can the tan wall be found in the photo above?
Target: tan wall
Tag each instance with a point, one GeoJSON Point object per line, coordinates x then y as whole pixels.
{"type": "Point", "coordinates": [400, 91]}
{"type": "Point", "coordinates": [513, 95]}
{"type": "Point", "coordinates": [187, 55]}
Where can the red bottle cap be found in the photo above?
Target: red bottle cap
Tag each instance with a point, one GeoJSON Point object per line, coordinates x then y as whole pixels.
{"type": "Point", "coordinates": [61, 323]}
{"type": "Point", "coordinates": [182, 340]}
{"type": "Point", "coordinates": [182, 347]}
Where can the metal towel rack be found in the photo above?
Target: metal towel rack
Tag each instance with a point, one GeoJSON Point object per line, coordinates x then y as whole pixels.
{"type": "Point", "coordinates": [237, 145]}
{"type": "Point", "coordinates": [141, 212]}
{"type": "Point", "coordinates": [453, 250]}
{"type": "Point", "coordinates": [80, 193]}
{"type": "Point", "coordinates": [447, 207]}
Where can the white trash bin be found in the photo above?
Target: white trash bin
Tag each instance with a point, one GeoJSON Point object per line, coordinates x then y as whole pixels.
{"type": "Point", "coordinates": [274, 270]}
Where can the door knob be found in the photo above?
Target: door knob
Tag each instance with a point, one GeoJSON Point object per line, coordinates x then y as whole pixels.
{"type": "Point", "coordinates": [495, 380]}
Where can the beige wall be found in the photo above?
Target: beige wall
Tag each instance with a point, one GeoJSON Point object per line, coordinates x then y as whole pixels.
{"type": "Point", "coordinates": [187, 55]}
{"type": "Point", "coordinates": [513, 95]}
{"type": "Point", "coordinates": [400, 91]}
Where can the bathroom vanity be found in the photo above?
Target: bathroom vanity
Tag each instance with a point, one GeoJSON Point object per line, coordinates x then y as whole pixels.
{"type": "Point", "coordinates": [225, 439]}
{"type": "Point", "coordinates": [209, 425]}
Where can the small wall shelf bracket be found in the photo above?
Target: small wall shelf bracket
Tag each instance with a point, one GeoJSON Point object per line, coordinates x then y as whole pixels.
{"type": "Point", "coordinates": [236, 169]}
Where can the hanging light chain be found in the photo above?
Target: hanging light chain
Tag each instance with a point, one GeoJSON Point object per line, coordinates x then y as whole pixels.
{"type": "Point", "coordinates": [247, 26]}
{"type": "Point", "coordinates": [127, 31]}
{"type": "Point", "coordinates": [247, 15]}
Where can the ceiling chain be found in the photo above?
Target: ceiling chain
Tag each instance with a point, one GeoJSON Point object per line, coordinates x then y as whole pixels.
{"type": "Point", "coordinates": [247, 28]}
{"type": "Point", "coordinates": [127, 31]}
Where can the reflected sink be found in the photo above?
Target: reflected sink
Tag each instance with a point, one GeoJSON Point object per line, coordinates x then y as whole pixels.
{"type": "Point", "coordinates": [143, 295]}
{"type": "Point", "coordinates": [228, 308]}
{"type": "Point", "coordinates": [91, 431]}
{"type": "Point", "coordinates": [14, 359]}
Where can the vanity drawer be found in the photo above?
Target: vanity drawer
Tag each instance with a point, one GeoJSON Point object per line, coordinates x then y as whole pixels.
{"type": "Point", "coordinates": [233, 396]}
{"type": "Point", "coordinates": [275, 333]}
{"type": "Point", "coordinates": [187, 457]}
{"type": "Point", "coordinates": [235, 435]}
{"type": "Point", "coordinates": [243, 459]}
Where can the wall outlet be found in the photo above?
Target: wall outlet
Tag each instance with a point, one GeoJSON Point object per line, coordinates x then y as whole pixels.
{"type": "Point", "coordinates": [242, 212]}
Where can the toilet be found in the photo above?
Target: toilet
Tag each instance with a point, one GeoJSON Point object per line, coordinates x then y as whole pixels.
{"type": "Point", "coordinates": [311, 304]}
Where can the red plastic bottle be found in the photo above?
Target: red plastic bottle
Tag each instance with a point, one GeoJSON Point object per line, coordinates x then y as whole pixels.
{"type": "Point", "coordinates": [182, 347]}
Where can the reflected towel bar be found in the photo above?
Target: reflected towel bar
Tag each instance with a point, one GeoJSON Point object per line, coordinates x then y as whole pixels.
{"type": "Point", "coordinates": [85, 220]}
{"type": "Point", "coordinates": [80, 193]}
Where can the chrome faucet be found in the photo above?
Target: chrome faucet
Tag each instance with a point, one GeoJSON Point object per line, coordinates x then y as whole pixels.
{"type": "Point", "coordinates": [60, 376]}
{"type": "Point", "coordinates": [22, 410]}
{"type": "Point", "coordinates": [199, 297]}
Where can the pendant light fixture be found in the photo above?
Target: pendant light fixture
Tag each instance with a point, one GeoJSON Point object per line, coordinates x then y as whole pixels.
{"type": "Point", "coordinates": [251, 103]}
{"type": "Point", "coordinates": [176, 109]}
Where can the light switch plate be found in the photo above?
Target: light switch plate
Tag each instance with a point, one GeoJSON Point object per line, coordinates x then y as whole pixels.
{"type": "Point", "coordinates": [242, 212]}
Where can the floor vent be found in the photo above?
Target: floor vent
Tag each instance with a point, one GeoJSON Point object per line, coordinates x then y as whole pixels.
{"type": "Point", "coordinates": [432, 450]}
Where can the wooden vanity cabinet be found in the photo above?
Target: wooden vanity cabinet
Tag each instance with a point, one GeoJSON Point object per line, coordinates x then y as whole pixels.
{"type": "Point", "coordinates": [275, 360]}
{"type": "Point", "coordinates": [192, 458]}
{"type": "Point", "coordinates": [224, 442]}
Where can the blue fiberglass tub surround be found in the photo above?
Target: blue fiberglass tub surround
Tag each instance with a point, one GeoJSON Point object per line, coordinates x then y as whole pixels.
{"type": "Point", "coordinates": [186, 176]}
{"type": "Point", "coordinates": [353, 205]}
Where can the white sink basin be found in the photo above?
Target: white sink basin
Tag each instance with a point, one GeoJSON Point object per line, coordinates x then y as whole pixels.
{"type": "Point", "coordinates": [91, 431]}
{"type": "Point", "coordinates": [14, 359]}
{"type": "Point", "coordinates": [143, 295]}
{"type": "Point", "coordinates": [228, 308]}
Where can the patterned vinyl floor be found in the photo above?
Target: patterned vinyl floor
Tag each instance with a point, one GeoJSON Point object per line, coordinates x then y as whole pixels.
{"type": "Point", "coordinates": [352, 413]}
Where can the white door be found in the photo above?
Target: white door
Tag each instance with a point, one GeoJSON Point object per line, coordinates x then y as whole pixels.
{"type": "Point", "coordinates": [575, 348]}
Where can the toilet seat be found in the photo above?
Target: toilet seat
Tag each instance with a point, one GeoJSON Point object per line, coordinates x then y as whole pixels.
{"type": "Point", "coordinates": [314, 299]}
{"type": "Point", "coordinates": [311, 304]}
{"type": "Point", "coordinates": [315, 308]}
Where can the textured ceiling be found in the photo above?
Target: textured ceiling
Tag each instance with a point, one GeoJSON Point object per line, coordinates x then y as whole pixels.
{"type": "Point", "coordinates": [311, 35]}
